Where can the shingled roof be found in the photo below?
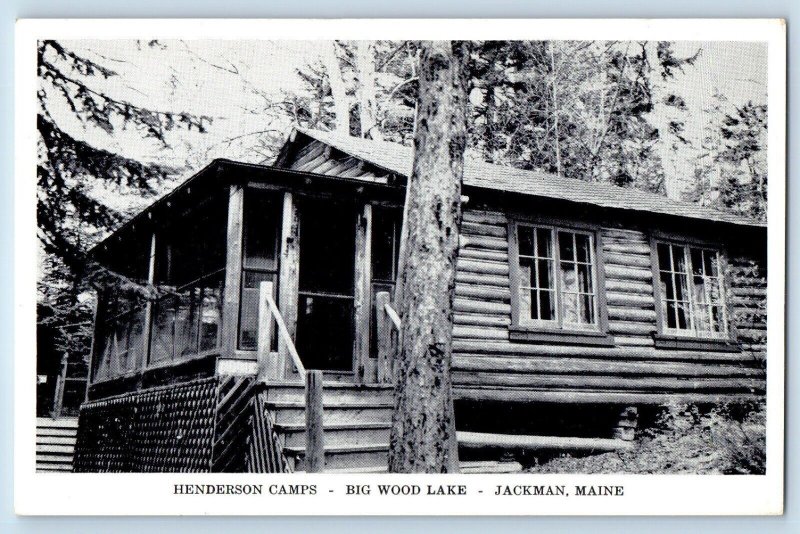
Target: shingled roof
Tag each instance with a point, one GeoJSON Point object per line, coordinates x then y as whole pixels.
{"type": "Point", "coordinates": [398, 159]}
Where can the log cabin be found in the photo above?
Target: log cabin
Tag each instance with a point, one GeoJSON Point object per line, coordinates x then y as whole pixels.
{"type": "Point", "coordinates": [577, 306]}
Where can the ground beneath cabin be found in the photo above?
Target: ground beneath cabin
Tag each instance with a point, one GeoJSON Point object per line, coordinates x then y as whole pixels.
{"type": "Point", "coordinates": [682, 440]}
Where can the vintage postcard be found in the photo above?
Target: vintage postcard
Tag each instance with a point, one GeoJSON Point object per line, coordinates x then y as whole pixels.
{"type": "Point", "coordinates": [414, 267]}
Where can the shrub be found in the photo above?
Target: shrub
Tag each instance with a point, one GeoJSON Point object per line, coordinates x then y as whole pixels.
{"type": "Point", "coordinates": [690, 439]}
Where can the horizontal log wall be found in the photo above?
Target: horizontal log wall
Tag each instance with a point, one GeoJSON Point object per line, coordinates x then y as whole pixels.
{"type": "Point", "coordinates": [488, 365]}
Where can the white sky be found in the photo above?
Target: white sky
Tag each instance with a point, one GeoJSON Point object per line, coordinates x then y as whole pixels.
{"type": "Point", "coordinates": [216, 78]}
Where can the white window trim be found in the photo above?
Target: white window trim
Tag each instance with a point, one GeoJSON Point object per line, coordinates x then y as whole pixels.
{"type": "Point", "coordinates": [558, 323]}
{"type": "Point", "coordinates": [692, 332]}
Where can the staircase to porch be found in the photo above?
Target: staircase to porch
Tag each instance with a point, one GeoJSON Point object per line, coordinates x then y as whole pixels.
{"type": "Point", "coordinates": [356, 425]}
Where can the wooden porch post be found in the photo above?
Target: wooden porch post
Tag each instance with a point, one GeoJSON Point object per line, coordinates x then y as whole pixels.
{"type": "Point", "coordinates": [315, 438]}
{"type": "Point", "coordinates": [288, 276]}
{"type": "Point", "coordinates": [58, 395]}
{"type": "Point", "coordinates": [97, 317]}
{"type": "Point", "coordinates": [148, 307]}
{"type": "Point", "coordinates": [233, 272]}
{"type": "Point", "coordinates": [384, 332]}
{"type": "Point", "coordinates": [361, 298]}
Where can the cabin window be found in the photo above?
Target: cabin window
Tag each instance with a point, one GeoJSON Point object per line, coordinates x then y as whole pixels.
{"type": "Point", "coordinates": [691, 290]}
{"type": "Point", "coordinates": [259, 260]}
{"type": "Point", "coordinates": [556, 281]}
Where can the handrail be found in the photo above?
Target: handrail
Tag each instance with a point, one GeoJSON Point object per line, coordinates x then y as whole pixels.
{"type": "Point", "coordinates": [396, 321]}
{"type": "Point", "coordinates": [287, 338]}
{"type": "Point", "coordinates": [387, 323]}
{"type": "Point", "coordinates": [266, 314]}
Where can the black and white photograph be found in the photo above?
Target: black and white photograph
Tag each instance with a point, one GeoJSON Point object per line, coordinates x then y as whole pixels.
{"type": "Point", "coordinates": [513, 257]}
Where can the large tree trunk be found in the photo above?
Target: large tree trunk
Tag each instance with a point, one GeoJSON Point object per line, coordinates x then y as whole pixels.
{"type": "Point", "coordinates": [423, 437]}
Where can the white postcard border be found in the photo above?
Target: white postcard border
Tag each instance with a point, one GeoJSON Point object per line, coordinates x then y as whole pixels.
{"type": "Point", "coordinates": [153, 494]}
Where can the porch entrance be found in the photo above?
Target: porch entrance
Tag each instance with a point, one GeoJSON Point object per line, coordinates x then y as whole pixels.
{"type": "Point", "coordinates": [325, 325]}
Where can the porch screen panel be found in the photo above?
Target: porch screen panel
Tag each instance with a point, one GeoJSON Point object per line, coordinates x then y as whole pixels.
{"type": "Point", "coordinates": [190, 261]}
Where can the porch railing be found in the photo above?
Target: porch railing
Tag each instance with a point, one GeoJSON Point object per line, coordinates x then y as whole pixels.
{"type": "Point", "coordinates": [387, 328]}
{"type": "Point", "coordinates": [268, 367]}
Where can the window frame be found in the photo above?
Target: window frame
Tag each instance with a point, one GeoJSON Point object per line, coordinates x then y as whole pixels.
{"type": "Point", "coordinates": [556, 331]}
{"type": "Point", "coordinates": [686, 339]}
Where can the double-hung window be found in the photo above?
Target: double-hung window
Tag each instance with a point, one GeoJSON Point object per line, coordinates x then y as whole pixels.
{"type": "Point", "coordinates": [691, 289]}
{"type": "Point", "coordinates": [554, 279]}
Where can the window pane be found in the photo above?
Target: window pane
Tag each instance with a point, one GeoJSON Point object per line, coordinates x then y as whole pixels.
{"type": "Point", "coordinates": [682, 309]}
{"type": "Point", "coordinates": [664, 262]}
{"type": "Point", "coordinates": [527, 273]}
{"type": "Point", "coordinates": [569, 303]}
{"type": "Point", "coordinates": [547, 308]}
{"type": "Point", "coordinates": [525, 236]}
{"type": "Point", "coordinates": [566, 247]}
{"type": "Point", "coordinates": [544, 243]}
{"type": "Point", "coordinates": [585, 279]}
{"type": "Point", "coordinates": [583, 247]}
{"type": "Point", "coordinates": [587, 309]}
{"type": "Point", "coordinates": [667, 287]}
{"type": "Point", "coordinates": [671, 314]}
{"type": "Point", "coordinates": [697, 261]}
{"type": "Point", "coordinates": [569, 281]}
{"type": "Point", "coordinates": [712, 263]}
{"type": "Point", "coordinates": [701, 319]}
{"type": "Point", "coordinates": [525, 309]}
{"type": "Point", "coordinates": [700, 289]}
{"type": "Point", "coordinates": [716, 319]}
{"type": "Point", "coordinates": [679, 260]}
{"type": "Point", "coordinates": [681, 289]}
{"type": "Point", "coordinates": [545, 274]}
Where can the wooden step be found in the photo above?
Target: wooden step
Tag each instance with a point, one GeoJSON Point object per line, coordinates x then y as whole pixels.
{"type": "Point", "coordinates": [352, 457]}
{"type": "Point", "coordinates": [54, 468]}
{"type": "Point", "coordinates": [338, 435]}
{"type": "Point", "coordinates": [367, 412]}
{"type": "Point", "coordinates": [55, 440]}
{"type": "Point", "coordinates": [64, 422]}
{"type": "Point", "coordinates": [56, 432]}
{"type": "Point", "coordinates": [333, 392]}
{"type": "Point", "coordinates": [67, 450]}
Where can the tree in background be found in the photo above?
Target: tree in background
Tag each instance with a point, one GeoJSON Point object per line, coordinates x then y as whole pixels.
{"type": "Point", "coordinates": [71, 171]}
{"type": "Point", "coordinates": [579, 109]}
{"type": "Point", "coordinates": [360, 88]}
{"type": "Point", "coordinates": [731, 166]}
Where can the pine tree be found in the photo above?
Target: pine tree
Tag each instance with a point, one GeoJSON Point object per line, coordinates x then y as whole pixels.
{"type": "Point", "coordinates": [70, 169]}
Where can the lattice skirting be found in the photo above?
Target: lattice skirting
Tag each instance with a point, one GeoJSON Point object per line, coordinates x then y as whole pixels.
{"type": "Point", "coordinates": [212, 424]}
